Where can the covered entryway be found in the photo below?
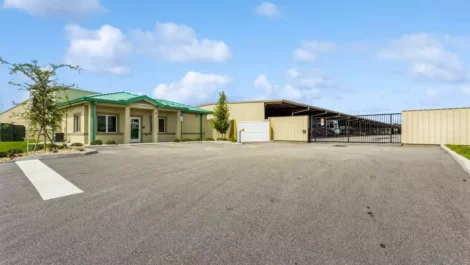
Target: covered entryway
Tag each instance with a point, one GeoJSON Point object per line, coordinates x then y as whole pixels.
{"type": "Point", "coordinates": [378, 128]}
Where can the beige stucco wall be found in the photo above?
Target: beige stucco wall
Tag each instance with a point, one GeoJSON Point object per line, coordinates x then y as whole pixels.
{"type": "Point", "coordinates": [66, 126]}
{"type": "Point", "coordinates": [190, 127]}
{"type": "Point", "coordinates": [170, 130]}
{"type": "Point", "coordinates": [294, 128]}
{"type": "Point", "coordinates": [249, 111]}
{"type": "Point", "coordinates": [442, 126]}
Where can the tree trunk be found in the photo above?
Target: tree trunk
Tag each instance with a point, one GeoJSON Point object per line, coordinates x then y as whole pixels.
{"type": "Point", "coordinates": [52, 142]}
{"type": "Point", "coordinates": [37, 139]}
{"type": "Point", "coordinates": [45, 139]}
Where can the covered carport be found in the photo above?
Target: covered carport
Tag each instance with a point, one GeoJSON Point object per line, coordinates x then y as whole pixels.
{"type": "Point", "coordinates": [326, 125]}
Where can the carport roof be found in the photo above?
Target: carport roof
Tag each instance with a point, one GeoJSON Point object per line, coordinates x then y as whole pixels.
{"type": "Point", "coordinates": [125, 98]}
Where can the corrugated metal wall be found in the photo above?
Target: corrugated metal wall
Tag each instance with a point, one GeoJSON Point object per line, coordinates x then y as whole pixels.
{"type": "Point", "coordinates": [293, 128]}
{"type": "Point", "coordinates": [442, 126]}
{"type": "Point", "coordinates": [249, 111]}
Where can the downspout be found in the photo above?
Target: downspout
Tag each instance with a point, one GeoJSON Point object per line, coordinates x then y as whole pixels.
{"type": "Point", "coordinates": [93, 114]}
{"type": "Point", "coordinates": [300, 111]}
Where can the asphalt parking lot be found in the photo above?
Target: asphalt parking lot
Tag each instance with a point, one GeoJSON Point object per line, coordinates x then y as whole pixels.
{"type": "Point", "coordinates": [242, 204]}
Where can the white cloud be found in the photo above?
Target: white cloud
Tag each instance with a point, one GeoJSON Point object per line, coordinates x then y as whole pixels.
{"type": "Point", "coordinates": [319, 47]}
{"type": "Point", "coordinates": [466, 91]}
{"type": "Point", "coordinates": [298, 85]}
{"type": "Point", "coordinates": [427, 58]}
{"type": "Point", "coordinates": [74, 8]}
{"type": "Point", "coordinates": [268, 9]}
{"type": "Point", "coordinates": [101, 50]}
{"type": "Point", "coordinates": [262, 82]}
{"type": "Point", "coordinates": [304, 55]}
{"type": "Point", "coordinates": [179, 43]}
{"type": "Point", "coordinates": [309, 50]}
{"type": "Point", "coordinates": [193, 88]}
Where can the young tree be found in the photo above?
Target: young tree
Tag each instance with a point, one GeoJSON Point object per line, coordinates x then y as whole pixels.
{"type": "Point", "coordinates": [40, 110]}
{"type": "Point", "coordinates": [221, 121]}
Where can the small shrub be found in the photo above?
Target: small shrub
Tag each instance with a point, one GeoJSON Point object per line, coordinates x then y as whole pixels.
{"type": "Point", "coordinates": [3, 154]}
{"type": "Point", "coordinates": [197, 139]}
{"type": "Point", "coordinates": [76, 144]}
{"type": "Point", "coordinates": [111, 142]}
{"type": "Point", "coordinates": [232, 139]}
{"type": "Point", "coordinates": [209, 139]}
{"type": "Point", "coordinates": [81, 149]}
{"type": "Point", "coordinates": [14, 151]}
{"type": "Point", "coordinates": [177, 140]}
{"type": "Point", "coordinates": [97, 142]}
{"type": "Point", "coordinates": [221, 139]}
{"type": "Point", "coordinates": [64, 146]}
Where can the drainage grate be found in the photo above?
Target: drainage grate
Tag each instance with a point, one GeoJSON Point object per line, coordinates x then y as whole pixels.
{"type": "Point", "coordinates": [337, 145]}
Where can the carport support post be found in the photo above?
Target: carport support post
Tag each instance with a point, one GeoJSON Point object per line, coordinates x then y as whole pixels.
{"type": "Point", "coordinates": [127, 125]}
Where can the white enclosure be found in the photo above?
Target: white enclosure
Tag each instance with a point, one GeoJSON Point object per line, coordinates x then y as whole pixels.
{"type": "Point", "coordinates": [252, 131]}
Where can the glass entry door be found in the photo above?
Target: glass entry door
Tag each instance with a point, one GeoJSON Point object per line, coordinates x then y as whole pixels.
{"type": "Point", "coordinates": [135, 129]}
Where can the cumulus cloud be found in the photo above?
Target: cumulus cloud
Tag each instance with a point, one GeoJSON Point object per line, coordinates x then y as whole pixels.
{"type": "Point", "coordinates": [74, 8]}
{"type": "Point", "coordinates": [179, 43]}
{"type": "Point", "coordinates": [299, 85]}
{"type": "Point", "coordinates": [100, 50]}
{"type": "Point", "coordinates": [304, 55]}
{"type": "Point", "coordinates": [262, 82]}
{"type": "Point", "coordinates": [268, 9]}
{"type": "Point", "coordinates": [193, 88]}
{"type": "Point", "coordinates": [310, 50]}
{"type": "Point", "coordinates": [427, 58]}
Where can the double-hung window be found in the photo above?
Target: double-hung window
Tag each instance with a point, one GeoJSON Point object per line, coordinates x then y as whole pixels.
{"type": "Point", "coordinates": [107, 123]}
{"type": "Point", "coordinates": [76, 123]}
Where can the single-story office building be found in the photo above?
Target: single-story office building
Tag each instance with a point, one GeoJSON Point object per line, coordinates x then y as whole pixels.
{"type": "Point", "coordinates": [122, 117]}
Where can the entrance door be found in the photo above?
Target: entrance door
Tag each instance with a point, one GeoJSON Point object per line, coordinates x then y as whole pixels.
{"type": "Point", "coordinates": [135, 130]}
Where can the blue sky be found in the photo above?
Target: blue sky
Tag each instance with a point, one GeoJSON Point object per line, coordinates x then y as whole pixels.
{"type": "Point", "coordinates": [351, 56]}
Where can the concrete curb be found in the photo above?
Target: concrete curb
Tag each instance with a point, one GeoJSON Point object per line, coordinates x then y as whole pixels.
{"type": "Point", "coordinates": [46, 157]}
{"type": "Point", "coordinates": [463, 161]}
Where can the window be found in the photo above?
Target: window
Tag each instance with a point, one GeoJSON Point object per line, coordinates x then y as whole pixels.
{"type": "Point", "coordinates": [161, 125]}
{"type": "Point", "coordinates": [76, 123]}
{"type": "Point", "coordinates": [107, 123]}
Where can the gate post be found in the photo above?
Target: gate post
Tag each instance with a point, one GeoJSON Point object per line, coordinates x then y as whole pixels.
{"type": "Point", "coordinates": [347, 129]}
{"type": "Point", "coordinates": [391, 134]}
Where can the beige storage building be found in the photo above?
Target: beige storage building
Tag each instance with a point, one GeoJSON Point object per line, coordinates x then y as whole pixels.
{"type": "Point", "coordinates": [290, 127]}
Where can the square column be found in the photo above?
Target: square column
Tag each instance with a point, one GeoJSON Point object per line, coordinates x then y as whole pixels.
{"type": "Point", "coordinates": [127, 125]}
{"type": "Point", "coordinates": [155, 126]}
{"type": "Point", "coordinates": [178, 125]}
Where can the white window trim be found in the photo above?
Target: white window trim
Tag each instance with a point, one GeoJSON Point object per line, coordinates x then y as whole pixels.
{"type": "Point", "coordinates": [104, 115]}
{"type": "Point", "coordinates": [79, 123]}
{"type": "Point", "coordinates": [164, 124]}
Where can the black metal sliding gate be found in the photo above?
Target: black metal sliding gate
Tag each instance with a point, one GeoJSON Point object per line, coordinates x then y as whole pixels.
{"type": "Point", "coordinates": [378, 128]}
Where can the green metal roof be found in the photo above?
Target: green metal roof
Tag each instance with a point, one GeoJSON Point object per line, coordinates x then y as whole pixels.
{"type": "Point", "coordinates": [124, 98]}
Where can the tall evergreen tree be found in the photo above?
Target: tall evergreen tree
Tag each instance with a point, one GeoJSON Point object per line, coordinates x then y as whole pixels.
{"type": "Point", "coordinates": [221, 121]}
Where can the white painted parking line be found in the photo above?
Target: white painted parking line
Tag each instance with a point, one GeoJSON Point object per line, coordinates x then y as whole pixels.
{"type": "Point", "coordinates": [49, 184]}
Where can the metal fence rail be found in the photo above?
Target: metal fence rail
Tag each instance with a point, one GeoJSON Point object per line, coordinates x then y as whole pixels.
{"type": "Point", "coordinates": [378, 128]}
